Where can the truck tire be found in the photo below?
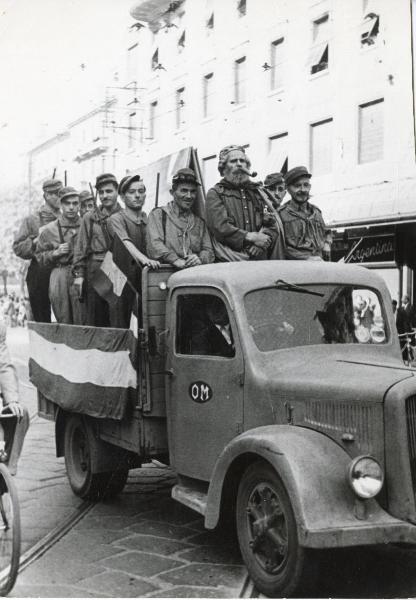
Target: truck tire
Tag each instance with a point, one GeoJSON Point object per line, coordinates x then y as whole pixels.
{"type": "Point", "coordinates": [268, 536]}
{"type": "Point", "coordinates": [79, 440]}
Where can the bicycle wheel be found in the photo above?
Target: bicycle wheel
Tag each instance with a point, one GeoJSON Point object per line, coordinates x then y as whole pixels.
{"type": "Point", "coordinates": [9, 531]}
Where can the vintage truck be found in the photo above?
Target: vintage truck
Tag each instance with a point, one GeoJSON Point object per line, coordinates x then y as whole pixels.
{"type": "Point", "coordinates": [299, 422]}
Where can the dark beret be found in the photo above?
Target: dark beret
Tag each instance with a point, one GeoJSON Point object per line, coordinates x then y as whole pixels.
{"type": "Point", "coordinates": [51, 185]}
{"type": "Point", "coordinates": [273, 179]}
{"type": "Point", "coordinates": [185, 176]}
{"type": "Point", "coordinates": [296, 173]}
{"type": "Point", "coordinates": [126, 181]}
{"type": "Point", "coordinates": [106, 178]}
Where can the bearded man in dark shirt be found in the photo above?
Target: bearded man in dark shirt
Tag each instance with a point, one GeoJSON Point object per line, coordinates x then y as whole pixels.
{"type": "Point", "coordinates": [241, 225]}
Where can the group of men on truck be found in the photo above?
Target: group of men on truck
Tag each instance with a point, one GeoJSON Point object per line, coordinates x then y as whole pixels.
{"type": "Point", "coordinates": [68, 238]}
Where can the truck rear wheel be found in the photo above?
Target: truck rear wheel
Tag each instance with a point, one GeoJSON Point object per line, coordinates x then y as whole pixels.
{"type": "Point", "coordinates": [268, 536]}
{"type": "Point", "coordinates": [79, 441]}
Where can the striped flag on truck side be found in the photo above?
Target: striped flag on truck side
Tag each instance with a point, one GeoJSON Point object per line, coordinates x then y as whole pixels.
{"type": "Point", "coordinates": [86, 370]}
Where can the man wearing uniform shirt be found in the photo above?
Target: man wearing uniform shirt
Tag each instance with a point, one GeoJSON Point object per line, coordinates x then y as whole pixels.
{"type": "Point", "coordinates": [92, 244]}
{"type": "Point", "coordinates": [239, 222]}
{"type": "Point", "coordinates": [275, 186]}
{"type": "Point", "coordinates": [176, 235]}
{"type": "Point", "coordinates": [303, 223]}
{"type": "Point", "coordinates": [86, 202]}
{"type": "Point", "coordinates": [24, 246]}
{"type": "Point", "coordinates": [129, 224]}
{"type": "Point", "coordinates": [55, 249]}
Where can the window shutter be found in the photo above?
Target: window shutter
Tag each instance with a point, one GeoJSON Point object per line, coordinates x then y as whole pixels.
{"type": "Point", "coordinates": [371, 134]}
{"type": "Point", "coordinates": [321, 147]}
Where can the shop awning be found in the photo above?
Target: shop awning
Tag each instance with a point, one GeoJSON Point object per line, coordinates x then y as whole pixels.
{"type": "Point", "coordinates": [379, 204]}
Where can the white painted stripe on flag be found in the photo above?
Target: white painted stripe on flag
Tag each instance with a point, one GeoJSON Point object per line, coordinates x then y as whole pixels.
{"type": "Point", "coordinates": [117, 277]}
{"type": "Point", "coordinates": [108, 369]}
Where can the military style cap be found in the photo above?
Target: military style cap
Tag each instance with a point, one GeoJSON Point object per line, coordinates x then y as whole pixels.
{"type": "Point", "coordinates": [126, 181]}
{"type": "Point", "coordinates": [85, 195]}
{"type": "Point", "coordinates": [51, 185]}
{"type": "Point", "coordinates": [106, 178]}
{"type": "Point", "coordinates": [273, 179]}
{"type": "Point", "coordinates": [185, 176]}
{"type": "Point", "coordinates": [66, 192]}
{"type": "Point", "coordinates": [296, 173]}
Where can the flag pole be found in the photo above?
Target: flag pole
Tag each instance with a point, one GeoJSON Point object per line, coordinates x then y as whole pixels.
{"type": "Point", "coordinates": [157, 190]}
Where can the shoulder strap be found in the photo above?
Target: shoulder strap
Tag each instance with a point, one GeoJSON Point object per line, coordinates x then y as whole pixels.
{"type": "Point", "coordinates": [61, 235]}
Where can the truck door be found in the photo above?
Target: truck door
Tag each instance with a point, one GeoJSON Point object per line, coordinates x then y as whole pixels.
{"type": "Point", "coordinates": [206, 369]}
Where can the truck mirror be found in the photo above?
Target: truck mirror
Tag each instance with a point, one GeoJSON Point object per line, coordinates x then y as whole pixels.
{"type": "Point", "coordinates": [152, 341]}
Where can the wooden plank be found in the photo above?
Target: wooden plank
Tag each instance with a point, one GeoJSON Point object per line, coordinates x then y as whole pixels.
{"type": "Point", "coordinates": [156, 307]}
{"type": "Point", "coordinates": [158, 403]}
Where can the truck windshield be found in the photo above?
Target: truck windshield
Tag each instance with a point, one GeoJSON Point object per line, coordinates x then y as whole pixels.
{"type": "Point", "coordinates": [331, 314]}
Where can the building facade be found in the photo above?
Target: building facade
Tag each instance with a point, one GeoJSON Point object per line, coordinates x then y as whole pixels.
{"type": "Point", "coordinates": [312, 82]}
{"type": "Point", "coordinates": [323, 83]}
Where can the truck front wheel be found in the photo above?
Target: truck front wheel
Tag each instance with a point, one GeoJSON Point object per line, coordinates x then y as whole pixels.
{"type": "Point", "coordinates": [79, 441]}
{"type": "Point", "coordinates": [268, 536]}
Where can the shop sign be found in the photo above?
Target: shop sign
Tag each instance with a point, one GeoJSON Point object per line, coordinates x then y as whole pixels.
{"type": "Point", "coordinates": [372, 249]}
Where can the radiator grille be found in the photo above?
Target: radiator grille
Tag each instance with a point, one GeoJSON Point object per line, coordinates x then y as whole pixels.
{"type": "Point", "coordinates": [411, 435]}
{"type": "Point", "coordinates": [337, 418]}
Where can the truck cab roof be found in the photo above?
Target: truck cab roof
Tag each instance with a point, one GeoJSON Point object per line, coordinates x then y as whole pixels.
{"type": "Point", "coordinates": [241, 277]}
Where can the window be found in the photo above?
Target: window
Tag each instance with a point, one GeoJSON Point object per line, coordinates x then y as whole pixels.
{"type": "Point", "coordinates": [210, 171]}
{"type": "Point", "coordinates": [242, 8]}
{"type": "Point", "coordinates": [370, 143]}
{"type": "Point", "coordinates": [152, 119]}
{"type": "Point", "coordinates": [155, 59]}
{"type": "Point", "coordinates": [321, 147]}
{"type": "Point", "coordinates": [207, 94]}
{"type": "Point", "coordinates": [319, 55]}
{"type": "Point", "coordinates": [276, 59]}
{"type": "Point", "coordinates": [203, 326]}
{"type": "Point", "coordinates": [181, 42]}
{"type": "Point", "coordinates": [180, 105]}
{"type": "Point", "coordinates": [278, 146]}
{"type": "Point", "coordinates": [369, 29]}
{"type": "Point", "coordinates": [329, 314]}
{"type": "Point", "coordinates": [239, 80]}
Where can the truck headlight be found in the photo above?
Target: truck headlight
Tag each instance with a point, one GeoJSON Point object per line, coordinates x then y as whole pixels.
{"type": "Point", "coordinates": [365, 476]}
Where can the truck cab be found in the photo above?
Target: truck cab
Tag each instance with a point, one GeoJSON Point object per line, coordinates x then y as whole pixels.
{"type": "Point", "coordinates": [277, 392]}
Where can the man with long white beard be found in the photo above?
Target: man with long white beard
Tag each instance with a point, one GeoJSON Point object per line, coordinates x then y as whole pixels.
{"type": "Point", "coordinates": [238, 218]}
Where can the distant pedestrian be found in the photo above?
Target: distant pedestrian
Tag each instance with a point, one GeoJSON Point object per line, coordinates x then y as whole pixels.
{"type": "Point", "coordinates": [24, 246]}
{"type": "Point", "coordinates": [406, 322]}
{"type": "Point", "coordinates": [394, 306]}
{"type": "Point", "coordinates": [305, 231]}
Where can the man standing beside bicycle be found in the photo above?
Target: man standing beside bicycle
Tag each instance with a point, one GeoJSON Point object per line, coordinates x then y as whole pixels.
{"type": "Point", "coordinates": [406, 323]}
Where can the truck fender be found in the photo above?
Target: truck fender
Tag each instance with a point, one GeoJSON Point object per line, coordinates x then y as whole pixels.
{"type": "Point", "coordinates": [311, 466]}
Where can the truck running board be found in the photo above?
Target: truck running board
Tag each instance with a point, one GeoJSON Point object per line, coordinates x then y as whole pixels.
{"type": "Point", "coordinates": [194, 499]}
